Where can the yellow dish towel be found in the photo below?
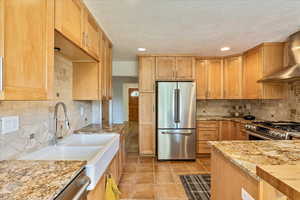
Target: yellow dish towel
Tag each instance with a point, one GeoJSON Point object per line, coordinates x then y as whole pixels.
{"type": "Point", "coordinates": [111, 190]}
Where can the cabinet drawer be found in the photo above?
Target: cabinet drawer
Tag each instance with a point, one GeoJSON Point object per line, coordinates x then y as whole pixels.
{"type": "Point", "coordinates": [203, 148]}
{"type": "Point", "coordinates": [207, 134]}
{"type": "Point", "coordinates": [208, 124]}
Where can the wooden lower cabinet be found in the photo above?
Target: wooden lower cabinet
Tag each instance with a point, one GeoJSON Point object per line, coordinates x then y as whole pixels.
{"type": "Point", "coordinates": [226, 130]}
{"type": "Point", "coordinates": [228, 180]}
{"type": "Point", "coordinates": [206, 131]}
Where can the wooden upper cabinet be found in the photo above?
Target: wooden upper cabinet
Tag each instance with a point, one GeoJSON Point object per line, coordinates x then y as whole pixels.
{"type": "Point", "coordinates": [27, 42]}
{"type": "Point", "coordinates": [259, 62]}
{"type": "Point", "coordinates": [109, 71]}
{"type": "Point", "coordinates": [185, 68]}
{"type": "Point", "coordinates": [215, 79]}
{"type": "Point", "coordinates": [252, 72]}
{"type": "Point", "coordinates": [85, 75]}
{"type": "Point", "coordinates": [233, 77]}
{"type": "Point", "coordinates": [104, 77]}
{"type": "Point", "coordinates": [146, 74]}
{"type": "Point", "coordinates": [92, 34]}
{"type": "Point", "coordinates": [165, 68]}
{"type": "Point", "coordinates": [201, 79]}
{"type": "Point", "coordinates": [69, 19]}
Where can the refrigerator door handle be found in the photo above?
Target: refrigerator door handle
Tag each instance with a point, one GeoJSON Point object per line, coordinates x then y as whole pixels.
{"type": "Point", "coordinates": [177, 133]}
{"type": "Point", "coordinates": [176, 105]}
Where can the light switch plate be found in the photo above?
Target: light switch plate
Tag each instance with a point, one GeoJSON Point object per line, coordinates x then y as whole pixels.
{"type": "Point", "coordinates": [9, 124]}
{"type": "Point", "coordinates": [246, 195]}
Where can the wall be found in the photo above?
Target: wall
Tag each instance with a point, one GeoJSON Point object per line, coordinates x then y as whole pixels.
{"type": "Point", "coordinates": [118, 109]}
{"type": "Point", "coordinates": [36, 117]}
{"type": "Point", "coordinates": [125, 68]}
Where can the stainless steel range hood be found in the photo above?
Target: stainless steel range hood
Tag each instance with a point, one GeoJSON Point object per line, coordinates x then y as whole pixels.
{"type": "Point", "coordinates": [292, 72]}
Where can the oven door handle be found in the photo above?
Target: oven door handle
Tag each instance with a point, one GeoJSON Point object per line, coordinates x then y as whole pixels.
{"type": "Point", "coordinates": [257, 135]}
{"type": "Point", "coordinates": [85, 181]}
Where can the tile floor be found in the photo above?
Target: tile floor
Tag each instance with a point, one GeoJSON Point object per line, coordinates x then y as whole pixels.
{"type": "Point", "coordinates": [146, 178]}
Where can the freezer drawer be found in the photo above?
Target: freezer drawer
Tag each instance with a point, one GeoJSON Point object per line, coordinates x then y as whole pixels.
{"type": "Point", "coordinates": [176, 144]}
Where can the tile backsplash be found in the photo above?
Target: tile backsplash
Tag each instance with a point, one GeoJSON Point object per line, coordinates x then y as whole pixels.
{"type": "Point", "coordinates": [287, 109]}
{"type": "Point", "coordinates": [36, 117]}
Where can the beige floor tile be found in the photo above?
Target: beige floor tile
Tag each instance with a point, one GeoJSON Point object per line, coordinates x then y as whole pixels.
{"type": "Point", "coordinates": [144, 168]}
{"type": "Point", "coordinates": [168, 191]}
{"type": "Point", "coordinates": [143, 191]}
{"type": "Point", "coordinates": [128, 178]}
{"type": "Point", "coordinates": [164, 178]}
{"type": "Point", "coordinates": [145, 178]}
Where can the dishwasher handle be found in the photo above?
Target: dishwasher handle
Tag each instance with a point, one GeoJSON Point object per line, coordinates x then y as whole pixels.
{"type": "Point", "coordinates": [85, 182]}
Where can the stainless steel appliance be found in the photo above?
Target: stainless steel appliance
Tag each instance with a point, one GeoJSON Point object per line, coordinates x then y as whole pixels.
{"type": "Point", "coordinates": [270, 130]}
{"type": "Point", "coordinates": [176, 120]}
{"type": "Point", "coordinates": [76, 190]}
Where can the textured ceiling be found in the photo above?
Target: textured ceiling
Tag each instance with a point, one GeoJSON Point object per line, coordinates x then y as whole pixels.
{"type": "Point", "coordinates": [194, 26]}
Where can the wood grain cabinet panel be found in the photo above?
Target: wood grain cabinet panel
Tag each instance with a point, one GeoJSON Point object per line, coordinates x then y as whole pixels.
{"type": "Point", "coordinates": [226, 130]}
{"type": "Point", "coordinates": [201, 79]}
{"type": "Point", "coordinates": [147, 123]}
{"type": "Point", "coordinates": [165, 68]}
{"type": "Point", "coordinates": [185, 68]}
{"type": "Point", "coordinates": [233, 77]}
{"type": "Point", "coordinates": [91, 34]}
{"type": "Point", "coordinates": [85, 81]}
{"type": "Point", "coordinates": [69, 20]}
{"type": "Point", "coordinates": [27, 42]}
{"type": "Point", "coordinates": [215, 79]}
{"type": "Point", "coordinates": [146, 74]}
{"type": "Point", "coordinates": [261, 61]}
{"type": "Point", "coordinates": [203, 147]}
{"type": "Point", "coordinates": [207, 134]}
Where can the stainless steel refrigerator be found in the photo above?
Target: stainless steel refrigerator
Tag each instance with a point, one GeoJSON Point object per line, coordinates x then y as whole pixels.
{"type": "Point", "coordinates": [176, 120]}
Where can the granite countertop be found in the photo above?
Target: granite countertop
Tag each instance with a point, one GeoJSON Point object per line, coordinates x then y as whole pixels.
{"type": "Point", "coordinates": [285, 178]}
{"type": "Point", "coordinates": [98, 128]}
{"type": "Point", "coordinates": [36, 180]}
{"type": "Point", "coordinates": [249, 154]}
{"type": "Point", "coordinates": [222, 118]}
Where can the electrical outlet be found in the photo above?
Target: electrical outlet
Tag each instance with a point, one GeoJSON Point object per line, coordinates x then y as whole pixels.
{"type": "Point", "coordinates": [246, 195]}
{"type": "Point", "coordinates": [9, 124]}
{"type": "Point", "coordinates": [81, 111]}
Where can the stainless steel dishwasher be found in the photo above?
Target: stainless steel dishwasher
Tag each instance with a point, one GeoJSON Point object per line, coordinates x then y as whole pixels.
{"type": "Point", "coordinates": [76, 190]}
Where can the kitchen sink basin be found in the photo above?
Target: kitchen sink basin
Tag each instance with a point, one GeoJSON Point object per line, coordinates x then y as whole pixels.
{"type": "Point", "coordinates": [97, 149]}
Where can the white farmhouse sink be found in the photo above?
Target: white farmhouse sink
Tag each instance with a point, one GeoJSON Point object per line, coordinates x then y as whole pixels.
{"type": "Point", "coordinates": [97, 149]}
{"type": "Point", "coordinates": [87, 140]}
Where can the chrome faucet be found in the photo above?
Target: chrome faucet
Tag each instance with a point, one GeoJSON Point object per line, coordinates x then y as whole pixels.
{"type": "Point", "coordinates": [56, 136]}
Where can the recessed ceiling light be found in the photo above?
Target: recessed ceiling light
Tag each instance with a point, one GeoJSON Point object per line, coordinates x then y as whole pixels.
{"type": "Point", "coordinates": [141, 49]}
{"type": "Point", "coordinates": [225, 48]}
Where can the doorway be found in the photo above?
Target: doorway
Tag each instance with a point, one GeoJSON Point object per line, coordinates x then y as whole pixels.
{"type": "Point", "coordinates": [133, 105]}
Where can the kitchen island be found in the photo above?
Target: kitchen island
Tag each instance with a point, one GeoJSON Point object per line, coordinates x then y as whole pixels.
{"type": "Point", "coordinates": [234, 166]}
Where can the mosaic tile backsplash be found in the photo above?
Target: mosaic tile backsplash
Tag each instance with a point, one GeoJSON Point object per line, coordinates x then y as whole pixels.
{"type": "Point", "coordinates": [36, 117]}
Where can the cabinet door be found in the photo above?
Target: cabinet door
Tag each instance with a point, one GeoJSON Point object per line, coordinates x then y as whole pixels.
{"type": "Point", "coordinates": [165, 68]}
{"type": "Point", "coordinates": [85, 75]}
{"type": "Point", "coordinates": [28, 49]}
{"type": "Point", "coordinates": [207, 134]}
{"type": "Point", "coordinates": [91, 34]}
{"type": "Point", "coordinates": [201, 79]}
{"type": "Point", "coordinates": [203, 147]}
{"type": "Point", "coordinates": [215, 79]}
{"type": "Point", "coordinates": [109, 72]}
{"type": "Point", "coordinates": [185, 68]}
{"type": "Point", "coordinates": [146, 124]}
{"type": "Point", "coordinates": [252, 73]}
{"type": "Point", "coordinates": [233, 78]}
{"type": "Point", "coordinates": [226, 130]}
{"type": "Point", "coordinates": [104, 52]}
{"type": "Point", "coordinates": [68, 19]}
{"type": "Point", "coordinates": [147, 74]}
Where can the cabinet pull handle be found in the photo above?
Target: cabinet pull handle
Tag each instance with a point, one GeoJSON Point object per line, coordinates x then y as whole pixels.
{"type": "Point", "coordinates": [1, 73]}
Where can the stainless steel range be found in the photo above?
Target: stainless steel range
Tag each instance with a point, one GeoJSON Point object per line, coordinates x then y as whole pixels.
{"type": "Point", "coordinates": [270, 130]}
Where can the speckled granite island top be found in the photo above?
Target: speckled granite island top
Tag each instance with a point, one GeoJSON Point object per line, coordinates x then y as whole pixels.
{"type": "Point", "coordinates": [36, 180]}
{"type": "Point", "coordinates": [248, 154]}
{"type": "Point", "coordinates": [98, 128]}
